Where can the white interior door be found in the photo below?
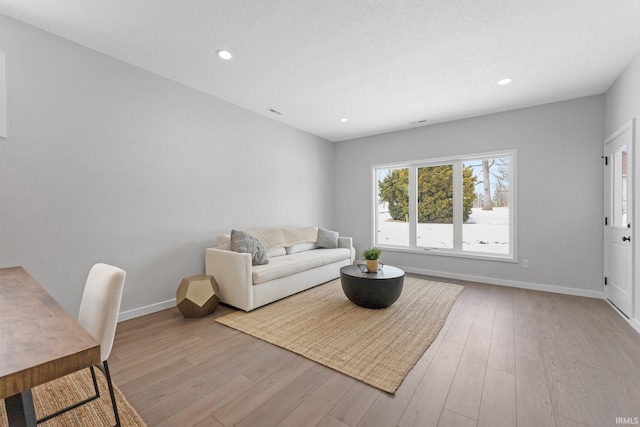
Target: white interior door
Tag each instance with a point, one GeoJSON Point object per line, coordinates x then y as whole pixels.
{"type": "Point", "coordinates": [618, 203]}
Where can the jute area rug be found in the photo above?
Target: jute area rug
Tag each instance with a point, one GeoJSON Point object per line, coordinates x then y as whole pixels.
{"type": "Point", "coordinates": [378, 347]}
{"type": "Point", "coordinates": [65, 391]}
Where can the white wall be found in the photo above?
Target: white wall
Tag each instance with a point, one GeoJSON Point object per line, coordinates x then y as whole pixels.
{"type": "Point", "coordinates": [559, 191]}
{"type": "Point", "coordinates": [622, 104]}
{"type": "Point", "coordinates": [107, 162]}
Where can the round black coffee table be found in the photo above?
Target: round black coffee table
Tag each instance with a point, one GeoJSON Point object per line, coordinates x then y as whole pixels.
{"type": "Point", "coordinates": [372, 290]}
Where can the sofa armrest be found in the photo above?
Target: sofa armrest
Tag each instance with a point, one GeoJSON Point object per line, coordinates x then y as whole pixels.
{"type": "Point", "coordinates": [232, 271]}
{"type": "Point", "coordinates": [347, 242]}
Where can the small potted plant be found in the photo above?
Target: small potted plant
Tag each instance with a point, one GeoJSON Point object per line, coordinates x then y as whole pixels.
{"type": "Point", "coordinates": [372, 255]}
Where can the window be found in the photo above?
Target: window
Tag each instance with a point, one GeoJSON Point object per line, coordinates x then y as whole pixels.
{"type": "Point", "coordinates": [462, 206]}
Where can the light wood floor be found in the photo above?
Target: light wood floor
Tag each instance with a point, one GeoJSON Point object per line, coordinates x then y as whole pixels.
{"type": "Point", "coordinates": [505, 357]}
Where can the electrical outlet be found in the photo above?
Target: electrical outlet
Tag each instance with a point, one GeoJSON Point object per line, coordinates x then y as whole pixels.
{"type": "Point", "coordinates": [525, 263]}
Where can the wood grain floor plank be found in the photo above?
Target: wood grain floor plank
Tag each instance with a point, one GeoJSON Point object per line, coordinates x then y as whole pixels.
{"type": "Point", "coordinates": [172, 401]}
{"type": "Point", "coordinates": [140, 325]}
{"type": "Point", "coordinates": [566, 422]}
{"type": "Point", "coordinates": [461, 326]}
{"type": "Point", "coordinates": [212, 349]}
{"type": "Point", "coordinates": [283, 403]}
{"type": "Point", "coordinates": [199, 378]}
{"type": "Point", "coordinates": [207, 422]}
{"type": "Point", "coordinates": [245, 404]}
{"type": "Point", "coordinates": [568, 389]}
{"type": "Point", "coordinates": [433, 348]}
{"type": "Point", "coordinates": [427, 403]}
{"type": "Point", "coordinates": [203, 406]}
{"type": "Point", "coordinates": [503, 348]}
{"type": "Point", "coordinates": [180, 349]}
{"type": "Point", "coordinates": [273, 364]}
{"type": "Point", "coordinates": [387, 409]}
{"type": "Point", "coordinates": [152, 376]}
{"type": "Point", "coordinates": [498, 404]}
{"type": "Point", "coordinates": [329, 421]}
{"type": "Point", "coordinates": [315, 407]}
{"type": "Point", "coordinates": [573, 346]}
{"type": "Point", "coordinates": [483, 322]}
{"type": "Point", "coordinates": [523, 302]}
{"type": "Point", "coordinates": [323, 370]}
{"type": "Point", "coordinates": [628, 343]}
{"type": "Point", "coordinates": [452, 419]}
{"type": "Point", "coordinates": [355, 403]}
{"type": "Point", "coordinates": [526, 337]}
{"type": "Point", "coordinates": [615, 395]}
{"type": "Point", "coordinates": [533, 405]}
{"type": "Point", "coordinates": [603, 315]}
{"type": "Point", "coordinates": [504, 302]}
{"type": "Point", "coordinates": [465, 393]}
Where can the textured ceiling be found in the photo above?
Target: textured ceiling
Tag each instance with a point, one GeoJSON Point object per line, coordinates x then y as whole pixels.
{"type": "Point", "coordinates": [382, 64]}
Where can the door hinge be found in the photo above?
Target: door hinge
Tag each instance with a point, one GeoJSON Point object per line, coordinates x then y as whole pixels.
{"type": "Point", "coordinates": [606, 221]}
{"type": "Point", "coordinates": [606, 160]}
{"type": "Point", "coordinates": [605, 280]}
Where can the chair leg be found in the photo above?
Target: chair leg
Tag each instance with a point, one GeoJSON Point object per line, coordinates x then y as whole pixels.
{"type": "Point", "coordinates": [105, 370]}
{"type": "Point", "coordinates": [111, 393]}
{"type": "Point", "coordinates": [75, 405]}
{"type": "Point", "coordinates": [95, 381]}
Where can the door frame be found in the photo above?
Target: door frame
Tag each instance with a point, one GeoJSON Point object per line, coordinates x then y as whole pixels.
{"type": "Point", "coordinates": [635, 192]}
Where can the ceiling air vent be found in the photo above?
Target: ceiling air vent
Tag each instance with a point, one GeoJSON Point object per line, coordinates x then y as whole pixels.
{"type": "Point", "coordinates": [274, 111]}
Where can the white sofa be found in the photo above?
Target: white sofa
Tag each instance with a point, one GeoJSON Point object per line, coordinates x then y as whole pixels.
{"type": "Point", "coordinates": [291, 269]}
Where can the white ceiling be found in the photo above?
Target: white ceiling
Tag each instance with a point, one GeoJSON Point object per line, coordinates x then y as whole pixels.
{"type": "Point", "coordinates": [382, 64]}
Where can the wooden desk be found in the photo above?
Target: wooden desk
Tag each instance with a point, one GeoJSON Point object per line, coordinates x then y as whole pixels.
{"type": "Point", "coordinates": [39, 342]}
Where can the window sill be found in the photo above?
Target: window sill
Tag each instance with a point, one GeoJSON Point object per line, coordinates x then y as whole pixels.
{"type": "Point", "coordinates": [449, 253]}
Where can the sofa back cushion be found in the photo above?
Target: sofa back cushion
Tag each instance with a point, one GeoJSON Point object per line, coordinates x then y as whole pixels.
{"type": "Point", "coordinates": [285, 237]}
{"type": "Point", "coordinates": [224, 242]}
{"type": "Point", "coordinates": [276, 252]}
{"type": "Point", "coordinates": [301, 247]}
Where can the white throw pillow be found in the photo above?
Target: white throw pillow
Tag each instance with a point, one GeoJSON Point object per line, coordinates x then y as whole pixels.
{"type": "Point", "coordinates": [224, 242]}
{"type": "Point", "coordinates": [301, 247]}
{"type": "Point", "coordinates": [276, 252]}
{"type": "Point", "coordinates": [327, 238]}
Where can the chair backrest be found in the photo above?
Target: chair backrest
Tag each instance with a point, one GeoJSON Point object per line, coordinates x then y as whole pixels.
{"type": "Point", "coordinates": [100, 305]}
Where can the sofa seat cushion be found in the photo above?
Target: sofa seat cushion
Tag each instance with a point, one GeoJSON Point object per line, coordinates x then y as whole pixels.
{"type": "Point", "coordinates": [287, 265]}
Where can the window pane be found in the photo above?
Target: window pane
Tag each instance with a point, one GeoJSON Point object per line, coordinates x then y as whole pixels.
{"type": "Point", "coordinates": [393, 207]}
{"type": "Point", "coordinates": [435, 207]}
{"type": "Point", "coordinates": [619, 165]}
{"type": "Point", "coordinates": [486, 212]}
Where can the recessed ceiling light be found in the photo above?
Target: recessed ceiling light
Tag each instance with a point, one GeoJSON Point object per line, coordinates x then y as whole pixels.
{"type": "Point", "coordinates": [224, 54]}
{"type": "Point", "coordinates": [504, 81]}
{"type": "Point", "coordinates": [344, 120]}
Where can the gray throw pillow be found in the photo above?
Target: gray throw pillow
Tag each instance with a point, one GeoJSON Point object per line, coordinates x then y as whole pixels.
{"type": "Point", "coordinates": [327, 238]}
{"type": "Point", "coordinates": [246, 243]}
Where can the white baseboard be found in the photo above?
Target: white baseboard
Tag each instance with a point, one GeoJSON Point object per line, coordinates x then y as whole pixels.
{"type": "Point", "coordinates": [511, 283]}
{"type": "Point", "coordinates": [137, 312]}
{"type": "Point", "coordinates": [635, 324]}
{"type": "Point", "coordinates": [147, 309]}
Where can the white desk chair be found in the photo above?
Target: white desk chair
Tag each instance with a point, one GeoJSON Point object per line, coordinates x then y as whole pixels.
{"type": "Point", "coordinates": [99, 310]}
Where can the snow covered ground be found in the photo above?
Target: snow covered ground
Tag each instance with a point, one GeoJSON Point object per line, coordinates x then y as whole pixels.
{"type": "Point", "coordinates": [486, 231]}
